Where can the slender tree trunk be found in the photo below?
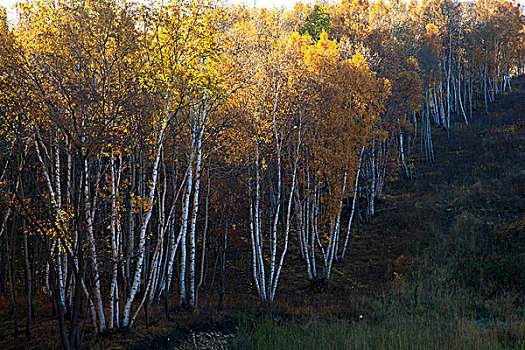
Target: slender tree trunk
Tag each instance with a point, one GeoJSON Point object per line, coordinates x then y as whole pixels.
{"type": "Point", "coordinates": [91, 240]}
{"type": "Point", "coordinates": [204, 235]}
{"type": "Point", "coordinates": [193, 229]}
{"type": "Point", "coordinates": [142, 240]}
{"type": "Point", "coordinates": [28, 281]}
{"type": "Point", "coordinates": [354, 201]}
{"type": "Point", "coordinates": [11, 273]}
{"type": "Point", "coordinates": [485, 81]}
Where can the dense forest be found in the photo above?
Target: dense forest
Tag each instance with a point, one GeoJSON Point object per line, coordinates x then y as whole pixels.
{"type": "Point", "coordinates": [144, 148]}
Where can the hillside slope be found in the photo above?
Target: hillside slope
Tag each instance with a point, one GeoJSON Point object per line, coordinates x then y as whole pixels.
{"type": "Point", "coordinates": [440, 266]}
{"type": "Point", "coordinates": [442, 263]}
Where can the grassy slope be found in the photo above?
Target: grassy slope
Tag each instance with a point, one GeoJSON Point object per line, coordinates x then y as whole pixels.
{"type": "Point", "coordinates": [446, 252]}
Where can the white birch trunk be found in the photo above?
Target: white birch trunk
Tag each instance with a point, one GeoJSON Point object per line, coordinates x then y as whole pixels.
{"type": "Point", "coordinates": [354, 201]}
{"type": "Point", "coordinates": [184, 230]}
{"type": "Point", "coordinates": [142, 239]}
{"type": "Point", "coordinates": [91, 240]}
{"type": "Point", "coordinates": [193, 228]}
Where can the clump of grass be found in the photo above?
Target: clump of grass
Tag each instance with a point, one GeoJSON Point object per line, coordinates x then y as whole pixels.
{"type": "Point", "coordinates": [396, 326]}
{"type": "Point", "coordinates": [408, 318]}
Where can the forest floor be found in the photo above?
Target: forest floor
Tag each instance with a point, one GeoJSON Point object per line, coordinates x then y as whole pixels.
{"type": "Point", "coordinates": [440, 266]}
